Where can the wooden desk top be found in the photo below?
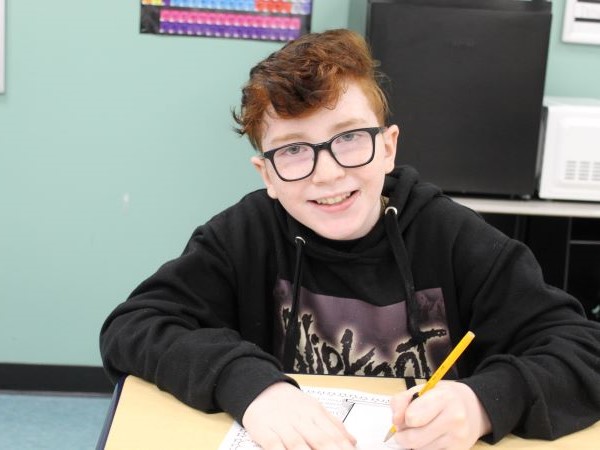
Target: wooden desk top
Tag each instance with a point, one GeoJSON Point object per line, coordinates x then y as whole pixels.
{"type": "Point", "coordinates": [149, 419]}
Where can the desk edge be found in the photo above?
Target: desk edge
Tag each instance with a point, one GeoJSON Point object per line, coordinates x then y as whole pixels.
{"type": "Point", "coordinates": [110, 414]}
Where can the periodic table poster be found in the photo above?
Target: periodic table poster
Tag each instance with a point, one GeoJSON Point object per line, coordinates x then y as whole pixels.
{"type": "Point", "coordinates": [266, 20]}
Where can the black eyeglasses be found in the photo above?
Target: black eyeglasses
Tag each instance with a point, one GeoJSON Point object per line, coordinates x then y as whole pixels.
{"type": "Point", "coordinates": [352, 148]}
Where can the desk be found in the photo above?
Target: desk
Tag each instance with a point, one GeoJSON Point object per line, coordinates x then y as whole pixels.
{"type": "Point", "coordinates": [149, 419]}
{"type": "Point", "coordinates": [531, 207]}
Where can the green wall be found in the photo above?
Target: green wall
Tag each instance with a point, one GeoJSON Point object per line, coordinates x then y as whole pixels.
{"type": "Point", "coordinates": [115, 145]}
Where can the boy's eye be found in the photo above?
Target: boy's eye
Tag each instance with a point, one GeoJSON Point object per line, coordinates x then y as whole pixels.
{"type": "Point", "coordinates": [347, 137]}
{"type": "Point", "coordinates": [293, 150]}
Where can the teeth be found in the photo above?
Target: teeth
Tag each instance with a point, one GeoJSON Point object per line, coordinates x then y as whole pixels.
{"type": "Point", "coordinates": [332, 200]}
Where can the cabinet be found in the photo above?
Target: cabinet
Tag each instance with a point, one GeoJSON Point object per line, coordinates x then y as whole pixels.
{"type": "Point", "coordinates": [564, 236]}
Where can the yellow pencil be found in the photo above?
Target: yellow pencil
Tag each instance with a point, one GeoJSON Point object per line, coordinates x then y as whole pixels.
{"type": "Point", "coordinates": [441, 371]}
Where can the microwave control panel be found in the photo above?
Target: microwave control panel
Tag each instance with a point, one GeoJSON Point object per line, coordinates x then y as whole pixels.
{"type": "Point", "coordinates": [581, 22]}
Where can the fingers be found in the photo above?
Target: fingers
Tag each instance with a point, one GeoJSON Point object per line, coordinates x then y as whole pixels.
{"type": "Point", "coordinates": [347, 441]}
{"type": "Point", "coordinates": [426, 433]}
{"type": "Point", "coordinates": [399, 404]}
{"type": "Point", "coordinates": [328, 435]}
{"type": "Point", "coordinates": [302, 435]}
{"type": "Point", "coordinates": [446, 417]}
{"type": "Point", "coordinates": [283, 417]}
{"type": "Point", "coordinates": [423, 410]}
{"type": "Point", "coordinates": [308, 435]}
{"type": "Point", "coordinates": [271, 439]}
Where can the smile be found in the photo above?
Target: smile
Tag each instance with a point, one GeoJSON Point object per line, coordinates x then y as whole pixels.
{"type": "Point", "coordinates": [333, 200]}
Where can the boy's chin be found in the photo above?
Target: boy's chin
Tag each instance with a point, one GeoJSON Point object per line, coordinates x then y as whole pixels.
{"type": "Point", "coordinates": [339, 234]}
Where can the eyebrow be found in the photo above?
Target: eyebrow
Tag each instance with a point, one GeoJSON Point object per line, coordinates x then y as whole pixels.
{"type": "Point", "coordinates": [337, 128]}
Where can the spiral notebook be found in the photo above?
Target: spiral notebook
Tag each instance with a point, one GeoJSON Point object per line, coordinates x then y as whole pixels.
{"type": "Point", "coordinates": [366, 416]}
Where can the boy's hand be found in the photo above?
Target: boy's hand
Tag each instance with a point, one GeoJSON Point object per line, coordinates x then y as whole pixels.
{"type": "Point", "coordinates": [283, 417]}
{"type": "Point", "coordinates": [449, 416]}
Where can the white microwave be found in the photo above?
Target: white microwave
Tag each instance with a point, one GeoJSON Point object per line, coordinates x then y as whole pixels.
{"type": "Point", "coordinates": [569, 153]}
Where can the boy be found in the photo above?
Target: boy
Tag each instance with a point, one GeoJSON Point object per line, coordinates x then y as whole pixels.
{"type": "Point", "coordinates": [348, 265]}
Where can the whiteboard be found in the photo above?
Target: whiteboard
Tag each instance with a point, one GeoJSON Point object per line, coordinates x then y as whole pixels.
{"type": "Point", "coordinates": [2, 41]}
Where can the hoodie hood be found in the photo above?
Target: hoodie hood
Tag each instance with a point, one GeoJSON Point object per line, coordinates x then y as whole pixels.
{"type": "Point", "coordinates": [405, 193]}
{"type": "Point", "coordinates": [406, 198]}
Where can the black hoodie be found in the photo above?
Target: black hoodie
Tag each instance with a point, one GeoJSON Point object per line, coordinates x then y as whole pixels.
{"type": "Point", "coordinates": [212, 326]}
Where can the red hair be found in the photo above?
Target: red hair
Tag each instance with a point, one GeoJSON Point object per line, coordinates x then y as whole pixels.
{"type": "Point", "coordinates": [305, 75]}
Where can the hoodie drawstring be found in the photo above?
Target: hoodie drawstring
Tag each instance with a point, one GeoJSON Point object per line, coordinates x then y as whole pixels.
{"type": "Point", "coordinates": [291, 337]}
{"type": "Point", "coordinates": [401, 256]}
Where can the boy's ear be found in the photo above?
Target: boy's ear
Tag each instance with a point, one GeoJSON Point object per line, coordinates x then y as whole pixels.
{"type": "Point", "coordinates": [390, 139]}
{"type": "Point", "coordinates": [260, 165]}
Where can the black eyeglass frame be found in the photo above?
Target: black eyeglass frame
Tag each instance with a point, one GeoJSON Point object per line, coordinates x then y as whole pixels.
{"type": "Point", "coordinates": [373, 132]}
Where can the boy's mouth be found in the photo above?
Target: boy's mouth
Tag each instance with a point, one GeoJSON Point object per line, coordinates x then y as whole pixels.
{"type": "Point", "coordinates": [333, 200]}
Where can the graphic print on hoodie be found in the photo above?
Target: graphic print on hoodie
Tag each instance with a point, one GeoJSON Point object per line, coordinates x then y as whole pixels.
{"type": "Point", "coordinates": [344, 336]}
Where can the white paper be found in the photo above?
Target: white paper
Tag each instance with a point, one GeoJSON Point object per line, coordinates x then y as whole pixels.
{"type": "Point", "coordinates": [366, 416]}
{"type": "Point", "coordinates": [369, 423]}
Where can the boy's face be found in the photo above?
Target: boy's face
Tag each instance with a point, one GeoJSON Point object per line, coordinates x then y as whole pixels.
{"type": "Point", "coordinates": [335, 202]}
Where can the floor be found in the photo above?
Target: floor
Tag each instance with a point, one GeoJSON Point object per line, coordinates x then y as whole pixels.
{"type": "Point", "coordinates": [40, 421]}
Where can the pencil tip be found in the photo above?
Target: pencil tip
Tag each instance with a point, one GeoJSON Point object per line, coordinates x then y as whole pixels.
{"type": "Point", "coordinates": [388, 435]}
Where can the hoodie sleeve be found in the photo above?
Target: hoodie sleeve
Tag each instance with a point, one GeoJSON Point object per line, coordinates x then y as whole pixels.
{"type": "Point", "coordinates": [536, 358]}
{"type": "Point", "coordinates": [178, 330]}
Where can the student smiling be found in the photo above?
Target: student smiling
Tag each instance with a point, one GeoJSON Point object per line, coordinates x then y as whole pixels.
{"type": "Point", "coordinates": [348, 265]}
{"type": "Point", "coordinates": [333, 201]}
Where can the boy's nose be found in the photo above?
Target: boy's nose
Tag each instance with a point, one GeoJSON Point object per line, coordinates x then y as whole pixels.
{"type": "Point", "coordinates": [327, 168]}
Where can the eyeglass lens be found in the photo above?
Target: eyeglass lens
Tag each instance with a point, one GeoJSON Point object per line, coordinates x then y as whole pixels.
{"type": "Point", "coordinates": [351, 149]}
